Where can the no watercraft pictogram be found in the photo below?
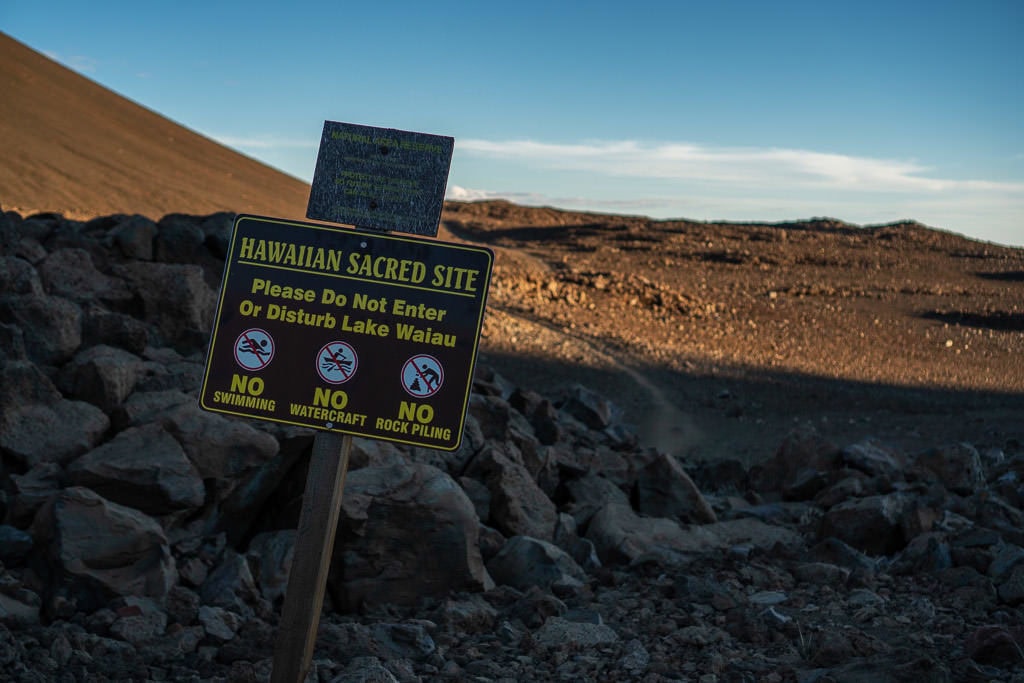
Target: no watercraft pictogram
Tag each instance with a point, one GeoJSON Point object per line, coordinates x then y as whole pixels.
{"type": "Point", "coordinates": [254, 349]}
{"type": "Point", "coordinates": [422, 376]}
{"type": "Point", "coordinates": [336, 362]}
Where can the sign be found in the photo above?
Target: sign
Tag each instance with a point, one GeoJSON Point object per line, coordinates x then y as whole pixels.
{"type": "Point", "coordinates": [360, 333]}
{"type": "Point", "coordinates": [380, 178]}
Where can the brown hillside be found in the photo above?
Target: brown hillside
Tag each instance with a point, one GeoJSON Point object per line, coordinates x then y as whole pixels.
{"type": "Point", "coordinates": [74, 147]}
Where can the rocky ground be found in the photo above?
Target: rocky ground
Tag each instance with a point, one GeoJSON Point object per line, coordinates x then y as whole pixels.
{"type": "Point", "coordinates": [660, 481]}
{"type": "Point", "coordinates": [716, 338]}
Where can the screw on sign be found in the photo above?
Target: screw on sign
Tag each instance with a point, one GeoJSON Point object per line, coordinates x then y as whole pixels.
{"type": "Point", "coordinates": [422, 376]}
{"type": "Point", "coordinates": [336, 362]}
{"type": "Point", "coordinates": [254, 349]}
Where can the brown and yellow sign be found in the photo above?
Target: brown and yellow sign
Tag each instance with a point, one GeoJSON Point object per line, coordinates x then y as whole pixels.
{"type": "Point", "coordinates": [362, 333]}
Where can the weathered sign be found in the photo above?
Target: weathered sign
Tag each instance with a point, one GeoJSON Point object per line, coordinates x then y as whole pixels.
{"type": "Point", "coordinates": [361, 333]}
{"type": "Point", "coordinates": [380, 178]}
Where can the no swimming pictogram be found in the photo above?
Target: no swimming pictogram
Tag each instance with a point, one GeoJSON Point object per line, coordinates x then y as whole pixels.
{"type": "Point", "coordinates": [422, 376]}
{"type": "Point", "coordinates": [336, 362]}
{"type": "Point", "coordinates": [254, 349]}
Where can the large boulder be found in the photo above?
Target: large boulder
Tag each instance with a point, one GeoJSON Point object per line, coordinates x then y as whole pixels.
{"type": "Point", "coordinates": [518, 505]}
{"type": "Point", "coordinates": [620, 535]}
{"type": "Point", "coordinates": [94, 550]}
{"type": "Point", "coordinates": [70, 273]}
{"type": "Point", "coordinates": [142, 467]}
{"type": "Point", "coordinates": [664, 489]}
{"type": "Point", "coordinates": [406, 532]}
{"type": "Point", "coordinates": [873, 524]}
{"type": "Point", "coordinates": [220, 448]}
{"type": "Point", "coordinates": [102, 375]}
{"type": "Point", "coordinates": [51, 325]}
{"type": "Point", "coordinates": [524, 562]}
{"type": "Point", "coordinates": [803, 454]}
{"type": "Point", "coordinates": [176, 300]}
{"type": "Point", "coordinates": [37, 432]}
{"type": "Point", "coordinates": [958, 466]}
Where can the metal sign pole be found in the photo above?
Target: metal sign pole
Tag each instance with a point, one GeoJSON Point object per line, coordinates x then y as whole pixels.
{"type": "Point", "coordinates": [307, 581]}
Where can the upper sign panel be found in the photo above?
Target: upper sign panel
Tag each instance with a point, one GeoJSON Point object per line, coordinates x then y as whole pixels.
{"type": "Point", "coordinates": [380, 178]}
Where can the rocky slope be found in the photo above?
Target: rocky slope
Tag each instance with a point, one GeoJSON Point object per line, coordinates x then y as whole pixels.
{"type": "Point", "coordinates": [144, 539]}
{"type": "Point", "coordinates": [715, 338]}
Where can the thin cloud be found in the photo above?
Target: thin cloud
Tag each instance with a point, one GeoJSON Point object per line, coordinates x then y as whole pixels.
{"type": "Point", "coordinates": [749, 167]}
{"type": "Point", "coordinates": [266, 142]}
{"type": "Point", "coordinates": [79, 63]}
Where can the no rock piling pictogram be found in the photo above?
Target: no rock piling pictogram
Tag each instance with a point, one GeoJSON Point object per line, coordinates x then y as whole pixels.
{"type": "Point", "coordinates": [422, 376]}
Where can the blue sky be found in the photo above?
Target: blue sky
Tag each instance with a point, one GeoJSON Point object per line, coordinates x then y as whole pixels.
{"type": "Point", "coordinates": [864, 111]}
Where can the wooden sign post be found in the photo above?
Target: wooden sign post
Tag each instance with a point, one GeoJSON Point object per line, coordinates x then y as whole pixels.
{"type": "Point", "coordinates": [314, 543]}
{"type": "Point", "coordinates": [354, 332]}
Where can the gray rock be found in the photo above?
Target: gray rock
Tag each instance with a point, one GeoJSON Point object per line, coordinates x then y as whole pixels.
{"type": "Point", "coordinates": [471, 614]}
{"type": "Point", "coordinates": [270, 557]}
{"type": "Point", "coordinates": [373, 453]}
{"type": "Point", "coordinates": [589, 407]}
{"type": "Point", "coordinates": [15, 545]}
{"type": "Point", "coordinates": [139, 620]}
{"type": "Point", "coordinates": [1011, 588]}
{"type": "Point", "coordinates": [580, 549]}
{"type": "Point", "coordinates": [995, 644]}
{"type": "Point", "coordinates": [97, 550]}
{"type": "Point", "coordinates": [37, 433]}
{"type": "Point", "coordinates": [30, 491]}
{"type": "Point", "coordinates": [219, 447]}
{"type": "Point", "coordinates": [146, 406]}
{"type": "Point", "coordinates": [21, 383]}
{"type": "Point", "coordinates": [134, 236]}
{"type": "Point", "coordinates": [179, 239]}
{"type": "Point", "coordinates": [406, 532]}
{"type": "Point", "coordinates": [958, 467]}
{"type": "Point", "coordinates": [1008, 557]}
{"type": "Point", "coordinates": [101, 375]}
{"type": "Point", "coordinates": [875, 459]}
{"type": "Point", "coordinates": [821, 574]}
{"type": "Point", "coordinates": [182, 605]}
{"type": "Point", "coordinates": [144, 468]}
{"type": "Point", "coordinates": [479, 495]}
{"type": "Point", "coordinates": [493, 414]}
{"type": "Point", "coordinates": [518, 505]}
{"type": "Point", "coordinates": [664, 489]}
{"type": "Point", "coordinates": [18, 276]}
{"type": "Point", "coordinates": [802, 449]}
{"type": "Point", "coordinates": [590, 493]}
{"type": "Point", "coordinates": [52, 326]}
{"type": "Point", "coordinates": [925, 553]}
{"type": "Point", "coordinates": [558, 632]}
{"type": "Point", "coordinates": [525, 562]}
{"type": "Point", "coordinates": [874, 524]}
{"type": "Point", "coordinates": [217, 229]}
{"type": "Point", "coordinates": [230, 585]}
{"type": "Point", "coordinates": [12, 343]}
{"type": "Point", "coordinates": [636, 660]}
{"type": "Point", "coordinates": [365, 670]}
{"type": "Point", "coordinates": [17, 612]}
{"type": "Point", "coordinates": [220, 624]}
{"type": "Point", "coordinates": [71, 274]}
{"type": "Point", "coordinates": [176, 300]}
{"type": "Point", "coordinates": [620, 535]}
{"type": "Point", "coordinates": [101, 326]}
{"type": "Point", "coordinates": [403, 641]}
